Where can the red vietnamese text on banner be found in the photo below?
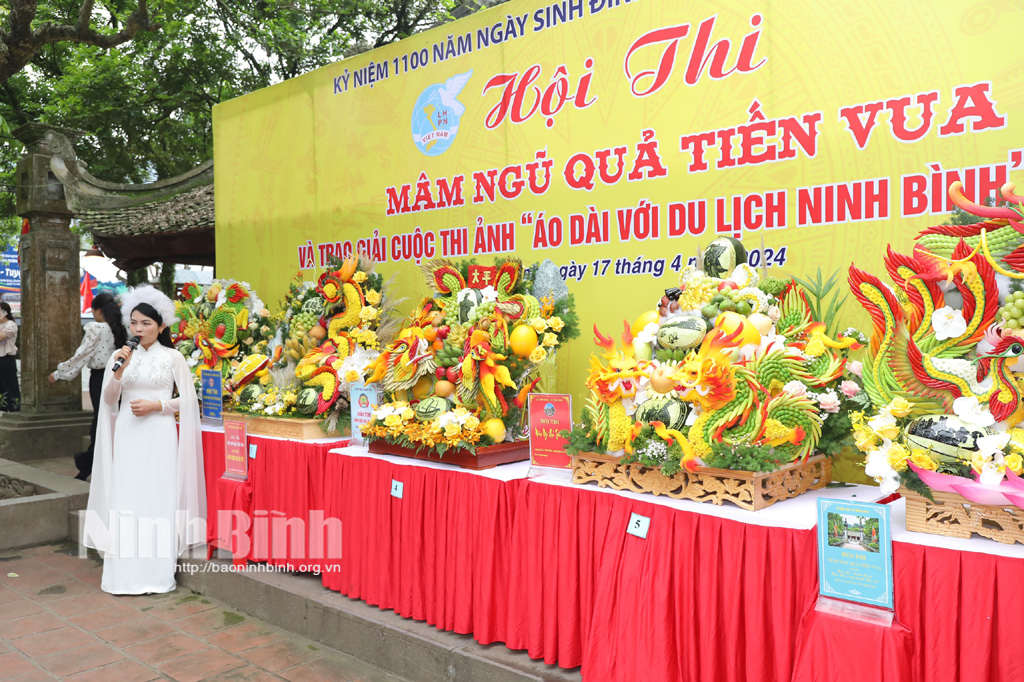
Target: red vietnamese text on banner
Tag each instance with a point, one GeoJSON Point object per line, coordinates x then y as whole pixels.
{"type": "Point", "coordinates": [236, 463]}
{"type": "Point", "coordinates": [549, 416]}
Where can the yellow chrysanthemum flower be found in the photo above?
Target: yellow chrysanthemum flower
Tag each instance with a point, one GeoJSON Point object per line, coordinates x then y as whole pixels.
{"type": "Point", "coordinates": [775, 429]}
{"type": "Point", "coordinates": [696, 436]}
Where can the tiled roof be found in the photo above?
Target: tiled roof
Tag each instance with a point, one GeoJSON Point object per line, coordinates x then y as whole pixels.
{"type": "Point", "coordinates": [191, 210]}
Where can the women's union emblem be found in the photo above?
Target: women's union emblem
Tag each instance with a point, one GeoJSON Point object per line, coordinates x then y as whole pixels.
{"type": "Point", "coordinates": [436, 114]}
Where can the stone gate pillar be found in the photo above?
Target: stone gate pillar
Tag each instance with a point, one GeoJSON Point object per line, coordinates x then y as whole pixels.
{"type": "Point", "coordinates": [51, 420]}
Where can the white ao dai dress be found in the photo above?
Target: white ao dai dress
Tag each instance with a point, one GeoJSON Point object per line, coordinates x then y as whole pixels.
{"type": "Point", "coordinates": [144, 476]}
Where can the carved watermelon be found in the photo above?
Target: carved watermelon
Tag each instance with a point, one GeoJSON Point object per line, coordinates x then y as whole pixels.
{"type": "Point", "coordinates": [682, 332]}
{"type": "Point", "coordinates": [671, 412]}
{"type": "Point", "coordinates": [945, 437]}
{"type": "Point", "coordinates": [722, 256]}
{"type": "Point", "coordinates": [431, 408]}
{"type": "Point", "coordinates": [307, 400]}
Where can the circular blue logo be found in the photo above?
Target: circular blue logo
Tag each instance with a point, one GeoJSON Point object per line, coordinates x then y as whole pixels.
{"type": "Point", "coordinates": [436, 115]}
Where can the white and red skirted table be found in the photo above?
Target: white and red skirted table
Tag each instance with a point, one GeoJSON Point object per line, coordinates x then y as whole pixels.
{"type": "Point", "coordinates": [715, 594]}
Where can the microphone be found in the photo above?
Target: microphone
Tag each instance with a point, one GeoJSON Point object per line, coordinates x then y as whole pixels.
{"type": "Point", "coordinates": [132, 345]}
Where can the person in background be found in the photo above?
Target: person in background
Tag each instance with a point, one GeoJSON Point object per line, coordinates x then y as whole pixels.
{"type": "Point", "coordinates": [10, 390]}
{"type": "Point", "coordinates": [102, 336]}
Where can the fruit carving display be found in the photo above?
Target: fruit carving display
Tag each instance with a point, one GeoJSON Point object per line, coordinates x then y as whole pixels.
{"type": "Point", "coordinates": [946, 350]}
{"type": "Point", "coordinates": [220, 325]}
{"type": "Point", "coordinates": [297, 363]}
{"type": "Point", "coordinates": [732, 370]}
{"type": "Point", "coordinates": [459, 372]}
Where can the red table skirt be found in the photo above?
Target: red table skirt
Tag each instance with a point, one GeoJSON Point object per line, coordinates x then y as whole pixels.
{"type": "Point", "coordinates": [549, 569]}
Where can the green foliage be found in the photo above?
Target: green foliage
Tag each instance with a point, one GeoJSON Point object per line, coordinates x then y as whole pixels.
{"type": "Point", "coordinates": [836, 432]}
{"type": "Point", "coordinates": [134, 278]}
{"type": "Point", "coordinates": [741, 457]}
{"type": "Point", "coordinates": [824, 309]}
{"type": "Point", "coordinates": [167, 280]}
{"type": "Point", "coordinates": [650, 450]}
{"type": "Point", "coordinates": [566, 309]}
{"type": "Point", "coordinates": [914, 483]}
{"type": "Point", "coordinates": [580, 438]}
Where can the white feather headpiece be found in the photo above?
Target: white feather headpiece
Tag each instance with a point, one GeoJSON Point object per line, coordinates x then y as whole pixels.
{"type": "Point", "coordinates": [154, 297]}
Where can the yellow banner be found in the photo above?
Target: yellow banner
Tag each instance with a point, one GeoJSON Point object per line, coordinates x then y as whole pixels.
{"type": "Point", "coordinates": [617, 138]}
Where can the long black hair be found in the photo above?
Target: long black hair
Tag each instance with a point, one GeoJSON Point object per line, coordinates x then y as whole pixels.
{"type": "Point", "coordinates": [149, 311]}
{"type": "Point", "coordinates": [107, 304]}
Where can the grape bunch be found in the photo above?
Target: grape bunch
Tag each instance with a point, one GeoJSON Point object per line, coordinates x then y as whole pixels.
{"type": "Point", "coordinates": [302, 323]}
{"type": "Point", "coordinates": [1012, 314]}
{"type": "Point", "coordinates": [481, 311]}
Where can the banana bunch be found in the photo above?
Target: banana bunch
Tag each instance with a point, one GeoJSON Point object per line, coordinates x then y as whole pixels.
{"type": "Point", "coordinates": [297, 348]}
{"type": "Point", "coordinates": [448, 356]}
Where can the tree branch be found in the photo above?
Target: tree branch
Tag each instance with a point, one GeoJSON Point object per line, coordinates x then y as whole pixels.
{"type": "Point", "coordinates": [18, 47]}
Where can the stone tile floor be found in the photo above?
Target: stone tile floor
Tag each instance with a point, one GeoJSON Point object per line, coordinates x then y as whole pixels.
{"type": "Point", "coordinates": [55, 623]}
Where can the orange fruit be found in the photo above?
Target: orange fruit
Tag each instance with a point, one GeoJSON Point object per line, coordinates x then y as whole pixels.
{"type": "Point", "coordinates": [445, 389]}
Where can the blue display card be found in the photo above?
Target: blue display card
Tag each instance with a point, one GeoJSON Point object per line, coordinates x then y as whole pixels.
{"type": "Point", "coordinates": [213, 395]}
{"type": "Point", "coordinates": [855, 552]}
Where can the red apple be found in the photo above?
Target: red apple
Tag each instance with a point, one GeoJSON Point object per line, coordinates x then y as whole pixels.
{"type": "Point", "coordinates": [440, 372]}
{"type": "Point", "coordinates": [219, 332]}
{"type": "Point", "coordinates": [728, 285]}
{"type": "Point", "coordinates": [454, 373]}
{"type": "Point", "coordinates": [443, 332]}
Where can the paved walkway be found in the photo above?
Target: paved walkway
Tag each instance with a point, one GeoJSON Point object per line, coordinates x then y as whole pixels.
{"type": "Point", "coordinates": [55, 623]}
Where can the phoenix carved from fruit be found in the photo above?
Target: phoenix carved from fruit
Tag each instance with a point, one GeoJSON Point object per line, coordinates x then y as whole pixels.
{"type": "Point", "coordinates": [924, 350]}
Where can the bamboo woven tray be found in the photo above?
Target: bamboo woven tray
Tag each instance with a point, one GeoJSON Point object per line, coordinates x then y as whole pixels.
{"type": "Point", "coordinates": [956, 517]}
{"type": "Point", "coordinates": [747, 489]}
{"type": "Point", "coordinates": [292, 429]}
{"type": "Point", "coordinates": [485, 458]}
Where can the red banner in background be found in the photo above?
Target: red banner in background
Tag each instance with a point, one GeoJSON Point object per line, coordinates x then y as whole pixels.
{"type": "Point", "coordinates": [549, 416]}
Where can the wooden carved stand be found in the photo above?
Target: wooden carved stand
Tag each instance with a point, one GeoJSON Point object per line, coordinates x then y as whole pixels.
{"type": "Point", "coordinates": [953, 516]}
{"type": "Point", "coordinates": [292, 429]}
{"type": "Point", "coordinates": [747, 489]}
{"type": "Point", "coordinates": [485, 458]}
